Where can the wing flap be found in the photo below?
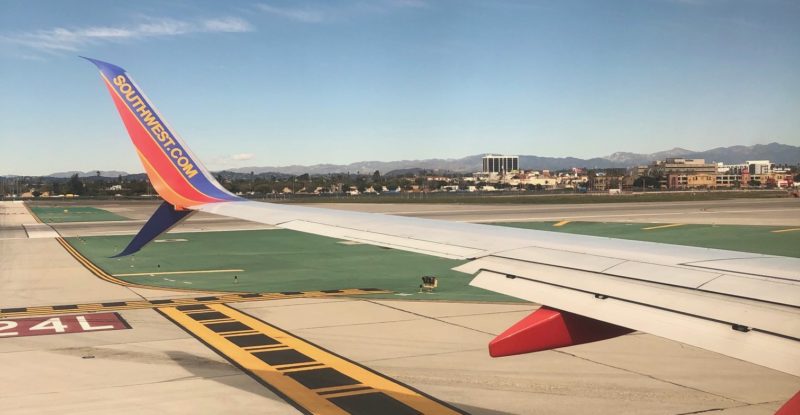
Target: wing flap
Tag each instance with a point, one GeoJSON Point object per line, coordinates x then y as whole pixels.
{"type": "Point", "coordinates": [780, 320]}
{"type": "Point", "coordinates": [758, 288]}
{"type": "Point", "coordinates": [766, 266]}
{"type": "Point", "coordinates": [754, 346]}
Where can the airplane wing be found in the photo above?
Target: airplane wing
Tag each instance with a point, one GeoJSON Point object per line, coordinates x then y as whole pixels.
{"type": "Point", "coordinates": [739, 304]}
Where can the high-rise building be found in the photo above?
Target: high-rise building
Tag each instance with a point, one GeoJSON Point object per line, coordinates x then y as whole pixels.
{"type": "Point", "coordinates": [500, 164]}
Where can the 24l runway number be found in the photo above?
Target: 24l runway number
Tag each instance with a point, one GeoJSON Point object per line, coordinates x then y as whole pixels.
{"type": "Point", "coordinates": [38, 326]}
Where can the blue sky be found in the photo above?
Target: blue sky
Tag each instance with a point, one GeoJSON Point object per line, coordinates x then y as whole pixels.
{"type": "Point", "coordinates": [280, 82]}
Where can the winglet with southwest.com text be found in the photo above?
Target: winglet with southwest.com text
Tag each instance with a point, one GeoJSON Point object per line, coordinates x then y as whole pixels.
{"type": "Point", "coordinates": [172, 168]}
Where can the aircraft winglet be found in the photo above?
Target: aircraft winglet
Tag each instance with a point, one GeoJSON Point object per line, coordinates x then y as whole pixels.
{"type": "Point", "coordinates": [174, 171]}
{"type": "Point", "coordinates": [164, 218]}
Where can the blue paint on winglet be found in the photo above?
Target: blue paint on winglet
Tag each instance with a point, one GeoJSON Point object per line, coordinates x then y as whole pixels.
{"type": "Point", "coordinates": [164, 218]}
{"type": "Point", "coordinates": [108, 69]}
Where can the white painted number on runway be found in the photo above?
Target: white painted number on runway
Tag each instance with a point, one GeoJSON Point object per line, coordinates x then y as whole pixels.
{"type": "Point", "coordinates": [37, 326]}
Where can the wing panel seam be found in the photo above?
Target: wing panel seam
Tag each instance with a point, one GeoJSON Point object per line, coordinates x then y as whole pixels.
{"type": "Point", "coordinates": [605, 296]}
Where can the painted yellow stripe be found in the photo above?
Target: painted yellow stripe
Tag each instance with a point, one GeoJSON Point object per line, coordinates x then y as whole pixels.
{"type": "Point", "coordinates": [30, 211]}
{"type": "Point", "coordinates": [94, 269]}
{"type": "Point", "coordinates": [286, 385]}
{"type": "Point", "coordinates": [672, 225]}
{"type": "Point", "coordinates": [296, 392]}
{"type": "Point", "coordinates": [139, 304]}
{"type": "Point", "coordinates": [206, 271]}
{"type": "Point", "coordinates": [351, 393]}
{"type": "Point", "coordinates": [786, 230]}
{"type": "Point", "coordinates": [98, 272]}
{"type": "Point", "coordinates": [562, 223]}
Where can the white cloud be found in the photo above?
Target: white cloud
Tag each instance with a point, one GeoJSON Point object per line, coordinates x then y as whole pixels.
{"type": "Point", "coordinates": [300, 14]}
{"type": "Point", "coordinates": [323, 12]}
{"type": "Point", "coordinates": [242, 156]}
{"type": "Point", "coordinates": [227, 24]}
{"type": "Point", "coordinates": [60, 39]}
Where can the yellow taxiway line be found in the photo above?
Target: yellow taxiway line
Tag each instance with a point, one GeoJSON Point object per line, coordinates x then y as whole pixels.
{"type": "Point", "coordinates": [562, 223]}
{"type": "Point", "coordinates": [209, 299]}
{"type": "Point", "coordinates": [786, 230]}
{"type": "Point", "coordinates": [314, 380]}
{"type": "Point", "coordinates": [672, 225]}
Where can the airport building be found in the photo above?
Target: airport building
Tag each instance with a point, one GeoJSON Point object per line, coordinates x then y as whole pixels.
{"type": "Point", "coordinates": [682, 173]}
{"type": "Point", "coordinates": [500, 164]}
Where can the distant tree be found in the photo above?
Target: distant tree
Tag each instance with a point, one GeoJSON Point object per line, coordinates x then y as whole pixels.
{"type": "Point", "coordinates": [376, 177]}
{"type": "Point", "coordinates": [647, 181]}
{"type": "Point", "coordinates": [75, 185]}
{"type": "Point", "coordinates": [36, 193]}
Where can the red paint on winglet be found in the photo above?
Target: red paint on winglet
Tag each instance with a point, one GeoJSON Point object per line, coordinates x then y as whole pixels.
{"type": "Point", "coordinates": [548, 328]}
{"type": "Point", "coordinates": [791, 407]}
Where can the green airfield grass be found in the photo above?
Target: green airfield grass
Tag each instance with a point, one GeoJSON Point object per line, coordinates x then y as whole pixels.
{"type": "Point", "coordinates": [283, 260]}
{"type": "Point", "coordinates": [74, 214]}
{"type": "Point", "coordinates": [744, 238]}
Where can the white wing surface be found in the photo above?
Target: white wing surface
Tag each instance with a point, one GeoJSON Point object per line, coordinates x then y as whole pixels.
{"type": "Point", "coordinates": [739, 304]}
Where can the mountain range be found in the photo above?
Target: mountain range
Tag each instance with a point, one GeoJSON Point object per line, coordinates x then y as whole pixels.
{"type": "Point", "coordinates": [775, 152]}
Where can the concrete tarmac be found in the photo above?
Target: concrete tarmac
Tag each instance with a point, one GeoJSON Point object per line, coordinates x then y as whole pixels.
{"type": "Point", "coordinates": [436, 347]}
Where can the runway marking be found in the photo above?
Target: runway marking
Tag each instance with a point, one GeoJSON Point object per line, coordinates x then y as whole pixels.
{"type": "Point", "coordinates": [38, 326]}
{"type": "Point", "coordinates": [35, 216]}
{"type": "Point", "coordinates": [672, 225]}
{"type": "Point", "coordinates": [312, 379]}
{"type": "Point", "coordinates": [199, 302]}
{"type": "Point", "coordinates": [626, 215]}
{"type": "Point", "coordinates": [786, 230]}
{"type": "Point", "coordinates": [207, 271]}
{"type": "Point", "coordinates": [98, 272]}
{"type": "Point", "coordinates": [562, 223]}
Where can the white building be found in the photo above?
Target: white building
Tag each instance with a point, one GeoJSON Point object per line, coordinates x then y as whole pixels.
{"type": "Point", "coordinates": [500, 164]}
{"type": "Point", "coordinates": [759, 166]}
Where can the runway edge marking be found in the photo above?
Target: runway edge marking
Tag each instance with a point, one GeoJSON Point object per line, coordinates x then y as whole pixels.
{"type": "Point", "coordinates": [312, 379]}
{"type": "Point", "coordinates": [99, 272]}
{"type": "Point", "coordinates": [156, 303]}
{"type": "Point", "coordinates": [30, 211]}
{"type": "Point", "coordinates": [103, 275]}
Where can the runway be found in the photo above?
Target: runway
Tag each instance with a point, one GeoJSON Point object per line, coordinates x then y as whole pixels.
{"type": "Point", "coordinates": [772, 212]}
{"type": "Point", "coordinates": [435, 349]}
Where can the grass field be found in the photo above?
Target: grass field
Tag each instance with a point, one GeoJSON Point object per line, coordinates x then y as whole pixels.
{"type": "Point", "coordinates": [279, 260]}
{"type": "Point", "coordinates": [282, 260]}
{"type": "Point", "coordinates": [74, 214]}
{"type": "Point", "coordinates": [533, 197]}
{"type": "Point", "coordinates": [757, 239]}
